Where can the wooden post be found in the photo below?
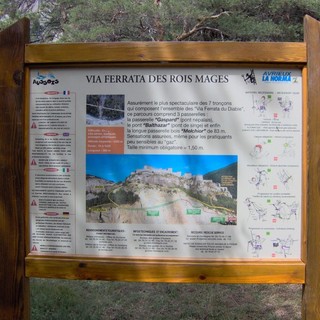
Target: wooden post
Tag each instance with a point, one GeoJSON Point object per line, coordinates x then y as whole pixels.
{"type": "Point", "coordinates": [14, 291]}
{"type": "Point", "coordinates": [311, 293]}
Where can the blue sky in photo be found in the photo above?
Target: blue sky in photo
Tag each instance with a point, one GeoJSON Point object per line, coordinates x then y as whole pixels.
{"type": "Point", "coordinates": [117, 167]}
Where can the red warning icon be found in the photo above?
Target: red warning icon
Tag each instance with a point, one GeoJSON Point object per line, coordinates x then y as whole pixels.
{"type": "Point", "coordinates": [33, 162]}
{"type": "Point", "coordinates": [33, 203]}
{"type": "Point", "coordinates": [34, 125]}
{"type": "Point", "coordinates": [34, 248]}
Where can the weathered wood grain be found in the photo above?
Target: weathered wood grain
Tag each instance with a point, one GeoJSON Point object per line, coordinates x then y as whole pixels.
{"type": "Point", "coordinates": [311, 296]}
{"type": "Point", "coordinates": [13, 284]}
{"type": "Point", "coordinates": [167, 270]}
{"type": "Point", "coordinates": [222, 52]}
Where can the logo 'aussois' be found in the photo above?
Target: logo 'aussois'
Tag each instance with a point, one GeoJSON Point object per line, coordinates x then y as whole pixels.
{"type": "Point", "coordinates": [45, 78]}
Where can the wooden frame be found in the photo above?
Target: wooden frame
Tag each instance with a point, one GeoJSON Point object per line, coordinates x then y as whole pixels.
{"type": "Point", "coordinates": [168, 52]}
{"type": "Point", "coordinates": [14, 297]}
{"type": "Point", "coordinates": [292, 55]}
{"type": "Point", "coordinates": [311, 296]}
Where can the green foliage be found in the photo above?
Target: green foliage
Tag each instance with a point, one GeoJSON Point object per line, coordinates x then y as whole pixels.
{"type": "Point", "coordinates": [222, 200]}
{"type": "Point", "coordinates": [52, 16]}
{"type": "Point", "coordinates": [231, 170]}
{"type": "Point", "coordinates": [122, 196]}
{"type": "Point", "coordinates": [226, 202]}
{"type": "Point", "coordinates": [102, 198]}
{"type": "Point", "coordinates": [164, 20]}
{"type": "Point", "coordinates": [268, 20]}
{"type": "Point", "coordinates": [199, 196]}
{"type": "Point", "coordinates": [136, 20]}
{"type": "Point", "coordinates": [11, 11]}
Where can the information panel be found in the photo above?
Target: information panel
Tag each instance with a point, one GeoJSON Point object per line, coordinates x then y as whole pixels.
{"type": "Point", "coordinates": [166, 162]}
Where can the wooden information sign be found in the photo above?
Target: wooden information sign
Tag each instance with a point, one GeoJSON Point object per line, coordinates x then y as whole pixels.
{"type": "Point", "coordinates": [167, 162]}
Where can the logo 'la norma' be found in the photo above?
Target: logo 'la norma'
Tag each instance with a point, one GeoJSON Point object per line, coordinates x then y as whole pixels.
{"type": "Point", "coordinates": [276, 76]}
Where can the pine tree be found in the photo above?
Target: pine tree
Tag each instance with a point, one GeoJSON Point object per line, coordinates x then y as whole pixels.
{"type": "Point", "coordinates": [161, 20]}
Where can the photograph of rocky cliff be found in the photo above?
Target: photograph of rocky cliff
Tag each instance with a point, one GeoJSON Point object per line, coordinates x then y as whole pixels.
{"type": "Point", "coordinates": [146, 189]}
{"type": "Point", "coordinates": [105, 109]}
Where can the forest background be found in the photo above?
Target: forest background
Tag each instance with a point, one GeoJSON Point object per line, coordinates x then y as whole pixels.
{"type": "Point", "coordinates": [161, 20]}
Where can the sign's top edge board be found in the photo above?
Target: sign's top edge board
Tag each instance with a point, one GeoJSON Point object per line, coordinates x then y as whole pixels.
{"type": "Point", "coordinates": [175, 52]}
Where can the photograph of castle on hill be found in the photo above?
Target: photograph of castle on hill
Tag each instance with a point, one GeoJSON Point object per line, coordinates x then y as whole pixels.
{"type": "Point", "coordinates": [161, 189]}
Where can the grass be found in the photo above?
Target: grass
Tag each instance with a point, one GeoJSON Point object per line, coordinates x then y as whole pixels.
{"type": "Point", "coordinates": [97, 300]}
